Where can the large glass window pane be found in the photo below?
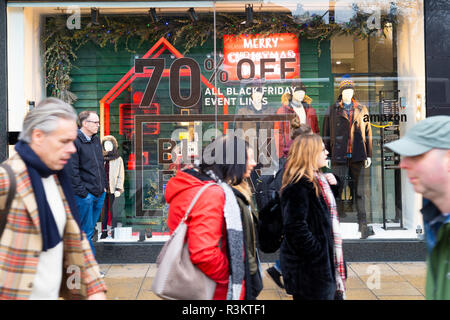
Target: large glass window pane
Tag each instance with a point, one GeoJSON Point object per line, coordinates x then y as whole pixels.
{"type": "Point", "coordinates": [227, 58]}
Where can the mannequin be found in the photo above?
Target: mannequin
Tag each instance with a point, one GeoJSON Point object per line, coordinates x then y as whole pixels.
{"type": "Point", "coordinates": [257, 99]}
{"type": "Point", "coordinates": [115, 175]}
{"type": "Point", "coordinates": [299, 103]}
{"type": "Point", "coordinates": [296, 104]}
{"type": "Point", "coordinates": [257, 106]}
{"type": "Point", "coordinates": [347, 96]}
{"type": "Point", "coordinates": [348, 139]}
{"type": "Point", "coordinates": [253, 129]}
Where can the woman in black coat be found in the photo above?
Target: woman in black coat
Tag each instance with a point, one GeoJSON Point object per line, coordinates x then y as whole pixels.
{"type": "Point", "coordinates": [307, 250]}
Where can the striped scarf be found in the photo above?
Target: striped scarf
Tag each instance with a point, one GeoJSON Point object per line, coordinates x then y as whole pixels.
{"type": "Point", "coordinates": [338, 254]}
{"type": "Point", "coordinates": [235, 240]}
{"type": "Point", "coordinates": [350, 123]}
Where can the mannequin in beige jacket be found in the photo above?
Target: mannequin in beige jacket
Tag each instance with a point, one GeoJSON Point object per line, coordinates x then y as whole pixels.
{"type": "Point", "coordinates": [115, 176]}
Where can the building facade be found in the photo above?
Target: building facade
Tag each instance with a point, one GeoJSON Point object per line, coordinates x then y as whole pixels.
{"type": "Point", "coordinates": [166, 77]}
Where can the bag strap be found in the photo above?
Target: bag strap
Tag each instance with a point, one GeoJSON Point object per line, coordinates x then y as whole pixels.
{"type": "Point", "coordinates": [195, 200]}
{"type": "Point", "coordinates": [10, 197]}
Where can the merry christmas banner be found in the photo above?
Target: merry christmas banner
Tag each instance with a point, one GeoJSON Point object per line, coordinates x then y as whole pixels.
{"type": "Point", "coordinates": [274, 56]}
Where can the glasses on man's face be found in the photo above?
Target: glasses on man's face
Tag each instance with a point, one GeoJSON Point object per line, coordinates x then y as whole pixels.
{"type": "Point", "coordinates": [96, 122]}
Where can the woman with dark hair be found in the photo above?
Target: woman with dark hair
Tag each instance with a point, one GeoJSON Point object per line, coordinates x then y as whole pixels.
{"type": "Point", "coordinates": [311, 256]}
{"type": "Point", "coordinates": [243, 193]}
{"type": "Point", "coordinates": [215, 231]}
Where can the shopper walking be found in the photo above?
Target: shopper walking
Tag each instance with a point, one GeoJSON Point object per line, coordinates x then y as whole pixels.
{"type": "Point", "coordinates": [88, 173]}
{"type": "Point", "coordinates": [215, 234]}
{"type": "Point", "coordinates": [297, 129]}
{"type": "Point", "coordinates": [425, 151]}
{"type": "Point", "coordinates": [243, 193]}
{"type": "Point", "coordinates": [44, 253]}
{"type": "Point", "coordinates": [311, 252]}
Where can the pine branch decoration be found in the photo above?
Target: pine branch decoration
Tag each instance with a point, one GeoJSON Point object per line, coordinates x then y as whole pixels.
{"type": "Point", "coordinates": [61, 44]}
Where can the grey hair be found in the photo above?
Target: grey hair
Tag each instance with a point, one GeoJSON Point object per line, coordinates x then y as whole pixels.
{"type": "Point", "coordinates": [45, 117]}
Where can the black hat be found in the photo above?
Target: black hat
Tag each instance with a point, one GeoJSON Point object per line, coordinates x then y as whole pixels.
{"type": "Point", "coordinates": [298, 87]}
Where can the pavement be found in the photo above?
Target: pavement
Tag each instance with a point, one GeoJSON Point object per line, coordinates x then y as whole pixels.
{"type": "Point", "coordinates": [366, 281]}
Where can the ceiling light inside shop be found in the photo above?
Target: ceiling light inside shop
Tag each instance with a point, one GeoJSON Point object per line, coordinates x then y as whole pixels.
{"type": "Point", "coordinates": [192, 15]}
{"type": "Point", "coordinates": [153, 16]}
{"type": "Point", "coordinates": [338, 62]}
{"type": "Point", "coordinates": [249, 13]}
{"type": "Point", "coordinates": [94, 16]}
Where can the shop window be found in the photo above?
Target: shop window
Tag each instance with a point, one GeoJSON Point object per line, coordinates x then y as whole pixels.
{"type": "Point", "coordinates": [232, 69]}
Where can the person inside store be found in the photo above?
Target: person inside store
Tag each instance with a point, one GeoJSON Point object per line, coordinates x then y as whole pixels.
{"type": "Point", "coordinates": [298, 103]}
{"type": "Point", "coordinates": [425, 152]}
{"type": "Point", "coordinates": [216, 234]}
{"type": "Point", "coordinates": [43, 245]}
{"type": "Point", "coordinates": [297, 129]}
{"type": "Point", "coordinates": [349, 140]}
{"type": "Point", "coordinates": [88, 173]}
{"type": "Point", "coordinates": [311, 255]}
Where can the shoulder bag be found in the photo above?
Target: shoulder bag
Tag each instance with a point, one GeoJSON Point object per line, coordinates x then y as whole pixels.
{"type": "Point", "coordinates": [177, 277]}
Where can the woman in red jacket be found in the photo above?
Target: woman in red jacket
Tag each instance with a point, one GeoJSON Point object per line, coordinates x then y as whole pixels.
{"type": "Point", "coordinates": [215, 221]}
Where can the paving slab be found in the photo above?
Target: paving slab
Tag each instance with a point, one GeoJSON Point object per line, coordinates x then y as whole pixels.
{"type": "Point", "coordinates": [123, 288]}
{"type": "Point", "coordinates": [397, 281]}
{"type": "Point", "coordinates": [396, 289]}
{"type": "Point", "coordinates": [360, 294]}
{"type": "Point", "coordinates": [127, 271]}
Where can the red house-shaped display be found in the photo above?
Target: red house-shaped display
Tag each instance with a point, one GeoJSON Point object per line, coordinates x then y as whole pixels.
{"type": "Point", "coordinates": [131, 75]}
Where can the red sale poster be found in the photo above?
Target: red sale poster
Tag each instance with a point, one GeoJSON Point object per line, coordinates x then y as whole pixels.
{"type": "Point", "coordinates": [274, 56]}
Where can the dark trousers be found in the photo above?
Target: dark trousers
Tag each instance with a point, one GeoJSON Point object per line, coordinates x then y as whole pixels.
{"type": "Point", "coordinates": [351, 172]}
{"type": "Point", "coordinates": [107, 212]}
{"type": "Point", "coordinates": [89, 209]}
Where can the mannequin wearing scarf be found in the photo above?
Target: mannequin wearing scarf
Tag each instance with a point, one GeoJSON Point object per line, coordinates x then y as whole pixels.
{"type": "Point", "coordinates": [114, 169]}
{"type": "Point", "coordinates": [300, 105]}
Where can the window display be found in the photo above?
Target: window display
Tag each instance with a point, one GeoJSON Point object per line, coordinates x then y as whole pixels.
{"type": "Point", "coordinates": [167, 80]}
{"type": "Point", "coordinates": [349, 141]}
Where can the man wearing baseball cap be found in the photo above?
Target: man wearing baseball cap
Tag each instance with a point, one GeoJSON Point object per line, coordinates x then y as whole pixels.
{"type": "Point", "coordinates": [425, 151]}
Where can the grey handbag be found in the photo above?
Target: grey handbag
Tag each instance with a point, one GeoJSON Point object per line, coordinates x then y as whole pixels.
{"type": "Point", "coordinates": [177, 277]}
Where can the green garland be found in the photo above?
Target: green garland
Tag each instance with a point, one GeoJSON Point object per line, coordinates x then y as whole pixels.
{"type": "Point", "coordinates": [61, 43]}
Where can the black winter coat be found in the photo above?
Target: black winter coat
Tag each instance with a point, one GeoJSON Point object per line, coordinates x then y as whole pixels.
{"type": "Point", "coordinates": [306, 253]}
{"type": "Point", "coordinates": [253, 282]}
{"type": "Point", "coordinates": [88, 170]}
{"type": "Point", "coordinates": [337, 131]}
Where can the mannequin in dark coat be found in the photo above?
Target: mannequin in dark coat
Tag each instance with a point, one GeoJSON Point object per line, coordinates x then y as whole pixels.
{"type": "Point", "coordinates": [348, 138]}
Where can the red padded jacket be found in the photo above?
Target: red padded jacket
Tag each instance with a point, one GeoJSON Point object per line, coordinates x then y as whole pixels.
{"type": "Point", "coordinates": [284, 135]}
{"type": "Point", "coordinates": [206, 226]}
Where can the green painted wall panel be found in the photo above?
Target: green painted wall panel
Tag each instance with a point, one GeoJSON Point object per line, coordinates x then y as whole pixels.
{"type": "Point", "coordinates": [313, 66]}
{"type": "Point", "coordinates": [115, 70]}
